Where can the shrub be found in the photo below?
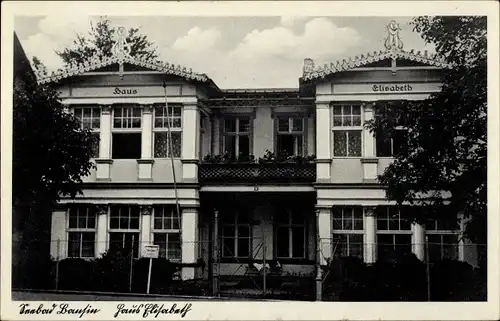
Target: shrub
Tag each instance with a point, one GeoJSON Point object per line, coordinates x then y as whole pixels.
{"type": "Point", "coordinates": [76, 274]}
{"type": "Point", "coordinates": [346, 279]}
{"type": "Point", "coordinates": [34, 270]}
{"type": "Point", "coordinates": [399, 278]}
{"type": "Point", "coordinates": [453, 280]}
{"type": "Point", "coordinates": [112, 271]}
{"type": "Point", "coordinates": [161, 275]}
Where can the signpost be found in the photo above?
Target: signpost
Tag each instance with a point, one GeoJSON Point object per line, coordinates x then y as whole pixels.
{"type": "Point", "coordinates": [150, 251]}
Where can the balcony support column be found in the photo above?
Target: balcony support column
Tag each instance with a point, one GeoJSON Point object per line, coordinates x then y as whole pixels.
{"type": "Point", "coordinates": [323, 142]}
{"type": "Point", "coordinates": [103, 163]}
{"type": "Point", "coordinates": [369, 161]}
{"type": "Point", "coordinates": [190, 142]}
{"type": "Point", "coordinates": [145, 164]}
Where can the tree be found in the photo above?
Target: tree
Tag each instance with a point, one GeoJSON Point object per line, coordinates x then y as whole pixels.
{"type": "Point", "coordinates": [446, 146]}
{"type": "Point", "coordinates": [101, 39]}
{"type": "Point", "coordinates": [51, 154]}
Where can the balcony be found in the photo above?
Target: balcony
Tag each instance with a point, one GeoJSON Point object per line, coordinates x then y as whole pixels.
{"type": "Point", "coordinates": [301, 170]}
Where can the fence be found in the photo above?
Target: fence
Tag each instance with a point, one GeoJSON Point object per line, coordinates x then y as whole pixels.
{"type": "Point", "coordinates": [257, 274]}
{"type": "Point", "coordinates": [388, 271]}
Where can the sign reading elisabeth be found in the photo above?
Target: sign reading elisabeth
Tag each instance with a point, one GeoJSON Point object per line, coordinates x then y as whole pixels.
{"type": "Point", "coordinates": [392, 88]}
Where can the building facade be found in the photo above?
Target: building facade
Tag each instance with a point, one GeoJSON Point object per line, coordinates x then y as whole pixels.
{"type": "Point", "coordinates": [245, 176]}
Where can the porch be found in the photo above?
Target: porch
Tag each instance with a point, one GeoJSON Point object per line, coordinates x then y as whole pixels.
{"type": "Point", "coordinates": [258, 242]}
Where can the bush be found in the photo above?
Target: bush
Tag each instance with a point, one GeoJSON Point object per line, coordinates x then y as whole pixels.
{"type": "Point", "coordinates": [34, 270]}
{"type": "Point", "coordinates": [76, 274]}
{"type": "Point", "coordinates": [400, 278]}
{"type": "Point", "coordinates": [112, 271]}
{"type": "Point", "coordinates": [453, 280]}
{"type": "Point", "coordinates": [346, 279]}
{"type": "Point", "coordinates": [161, 276]}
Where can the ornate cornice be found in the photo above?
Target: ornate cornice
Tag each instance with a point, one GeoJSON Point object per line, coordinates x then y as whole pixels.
{"type": "Point", "coordinates": [393, 50]}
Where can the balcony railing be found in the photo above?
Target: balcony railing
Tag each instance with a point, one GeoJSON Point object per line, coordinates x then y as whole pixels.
{"type": "Point", "coordinates": [254, 172]}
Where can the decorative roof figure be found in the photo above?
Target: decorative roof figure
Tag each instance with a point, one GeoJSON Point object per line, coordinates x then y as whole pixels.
{"type": "Point", "coordinates": [393, 42]}
{"type": "Point", "coordinates": [308, 66]}
{"type": "Point", "coordinates": [121, 48]}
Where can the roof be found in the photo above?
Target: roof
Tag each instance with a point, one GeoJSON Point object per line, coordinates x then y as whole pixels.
{"type": "Point", "coordinates": [393, 51]}
{"type": "Point", "coordinates": [21, 61]}
{"type": "Point", "coordinates": [121, 55]}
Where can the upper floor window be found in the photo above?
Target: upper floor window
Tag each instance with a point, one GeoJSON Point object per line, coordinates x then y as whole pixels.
{"type": "Point", "coordinates": [81, 231]}
{"type": "Point", "coordinates": [290, 136]}
{"type": "Point", "coordinates": [236, 135]}
{"type": "Point", "coordinates": [127, 136]}
{"type": "Point", "coordinates": [164, 143]}
{"type": "Point", "coordinates": [90, 118]}
{"type": "Point", "coordinates": [388, 147]}
{"type": "Point", "coordinates": [347, 130]}
{"type": "Point", "coordinates": [348, 234]}
{"type": "Point", "coordinates": [127, 117]}
{"type": "Point", "coordinates": [166, 231]}
{"type": "Point", "coordinates": [290, 233]}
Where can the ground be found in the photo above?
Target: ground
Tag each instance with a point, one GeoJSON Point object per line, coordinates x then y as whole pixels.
{"type": "Point", "coordinates": [52, 296]}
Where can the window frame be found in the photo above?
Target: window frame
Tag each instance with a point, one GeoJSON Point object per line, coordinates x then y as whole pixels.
{"type": "Point", "coordinates": [164, 128]}
{"type": "Point", "coordinates": [126, 130]}
{"type": "Point", "coordinates": [129, 230]}
{"type": "Point", "coordinates": [391, 141]}
{"type": "Point", "coordinates": [442, 232]}
{"type": "Point", "coordinates": [81, 230]}
{"type": "Point", "coordinates": [348, 128]}
{"type": "Point", "coordinates": [289, 226]}
{"type": "Point", "coordinates": [392, 232]}
{"type": "Point", "coordinates": [94, 130]}
{"type": "Point", "coordinates": [236, 224]}
{"type": "Point", "coordinates": [164, 232]}
{"type": "Point", "coordinates": [291, 132]}
{"type": "Point", "coordinates": [344, 232]}
{"type": "Point", "coordinates": [237, 134]}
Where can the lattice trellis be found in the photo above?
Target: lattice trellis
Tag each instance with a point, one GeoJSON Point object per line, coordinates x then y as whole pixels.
{"type": "Point", "coordinates": [257, 173]}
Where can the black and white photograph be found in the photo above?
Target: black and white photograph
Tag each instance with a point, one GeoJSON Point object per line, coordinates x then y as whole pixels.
{"type": "Point", "coordinates": [174, 160]}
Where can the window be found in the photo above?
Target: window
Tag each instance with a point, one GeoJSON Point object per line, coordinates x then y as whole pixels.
{"type": "Point", "coordinates": [389, 219]}
{"type": "Point", "coordinates": [127, 117]}
{"type": "Point", "coordinates": [392, 146]}
{"type": "Point", "coordinates": [290, 136]}
{"type": "Point", "coordinates": [166, 231]}
{"type": "Point", "coordinates": [236, 234]}
{"type": "Point", "coordinates": [124, 225]}
{"type": "Point", "coordinates": [290, 233]}
{"type": "Point", "coordinates": [347, 130]}
{"type": "Point", "coordinates": [90, 118]}
{"type": "Point", "coordinates": [443, 238]}
{"type": "Point", "coordinates": [348, 232]}
{"type": "Point", "coordinates": [163, 118]}
{"type": "Point", "coordinates": [127, 133]}
{"type": "Point", "coordinates": [390, 245]}
{"type": "Point", "coordinates": [236, 135]}
{"type": "Point", "coordinates": [393, 232]}
{"type": "Point", "coordinates": [81, 231]}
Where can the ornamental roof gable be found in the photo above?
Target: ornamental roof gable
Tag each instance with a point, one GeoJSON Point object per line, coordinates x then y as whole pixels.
{"type": "Point", "coordinates": [120, 57]}
{"type": "Point", "coordinates": [393, 52]}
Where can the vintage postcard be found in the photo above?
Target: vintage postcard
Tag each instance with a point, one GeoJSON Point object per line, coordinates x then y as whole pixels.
{"type": "Point", "coordinates": [250, 160]}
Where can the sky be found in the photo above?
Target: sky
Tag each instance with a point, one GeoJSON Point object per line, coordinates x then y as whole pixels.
{"type": "Point", "coordinates": [235, 52]}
